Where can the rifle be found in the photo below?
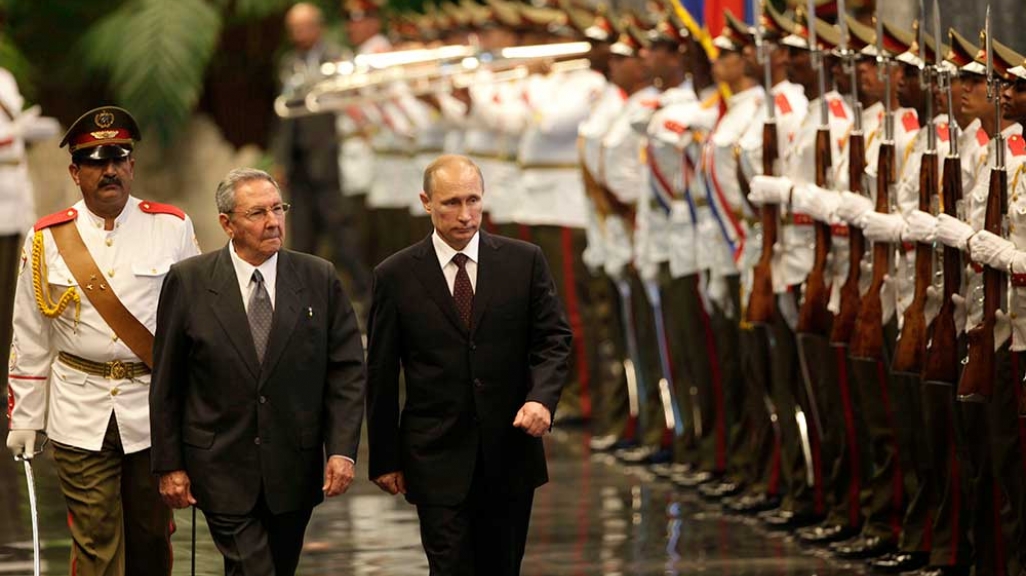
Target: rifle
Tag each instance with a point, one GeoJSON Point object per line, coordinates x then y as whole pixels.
{"type": "Point", "coordinates": [814, 317]}
{"type": "Point", "coordinates": [867, 339]}
{"type": "Point", "coordinates": [941, 365]}
{"type": "Point", "coordinates": [977, 381]}
{"type": "Point", "coordinates": [911, 346]}
{"type": "Point", "coordinates": [851, 296]}
{"type": "Point", "coordinates": [762, 301]}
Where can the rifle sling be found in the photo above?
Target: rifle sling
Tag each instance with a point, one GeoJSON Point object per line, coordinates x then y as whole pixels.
{"type": "Point", "coordinates": [127, 327]}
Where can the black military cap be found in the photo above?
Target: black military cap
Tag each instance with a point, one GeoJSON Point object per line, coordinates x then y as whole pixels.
{"type": "Point", "coordinates": [102, 134]}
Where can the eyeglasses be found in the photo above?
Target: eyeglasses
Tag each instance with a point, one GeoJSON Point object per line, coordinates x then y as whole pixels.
{"type": "Point", "coordinates": [258, 214]}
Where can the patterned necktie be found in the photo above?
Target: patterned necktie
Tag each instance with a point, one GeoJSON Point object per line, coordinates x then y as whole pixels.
{"type": "Point", "coordinates": [462, 291]}
{"type": "Point", "coordinates": [259, 314]}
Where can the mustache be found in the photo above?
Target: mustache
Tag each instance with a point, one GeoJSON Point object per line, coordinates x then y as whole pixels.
{"type": "Point", "coordinates": [110, 181]}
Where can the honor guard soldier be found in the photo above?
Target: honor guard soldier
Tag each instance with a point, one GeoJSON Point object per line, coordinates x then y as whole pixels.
{"type": "Point", "coordinates": [85, 311]}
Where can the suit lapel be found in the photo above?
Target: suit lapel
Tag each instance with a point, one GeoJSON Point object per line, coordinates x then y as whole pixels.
{"type": "Point", "coordinates": [286, 313]}
{"type": "Point", "coordinates": [230, 311]}
{"type": "Point", "coordinates": [429, 274]}
{"type": "Point", "coordinates": [487, 277]}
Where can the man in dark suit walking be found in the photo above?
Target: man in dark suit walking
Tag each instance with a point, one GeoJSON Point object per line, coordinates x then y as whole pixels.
{"type": "Point", "coordinates": [258, 376]}
{"type": "Point", "coordinates": [485, 358]}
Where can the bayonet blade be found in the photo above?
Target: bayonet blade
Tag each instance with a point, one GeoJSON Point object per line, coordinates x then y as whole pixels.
{"type": "Point", "coordinates": [989, 47]}
{"type": "Point", "coordinates": [937, 44]}
{"type": "Point", "coordinates": [842, 24]}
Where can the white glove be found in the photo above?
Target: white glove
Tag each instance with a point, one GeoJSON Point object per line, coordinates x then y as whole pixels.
{"type": "Point", "coordinates": [953, 232]}
{"type": "Point", "coordinates": [961, 313]}
{"type": "Point", "coordinates": [991, 250]}
{"type": "Point", "coordinates": [819, 203]}
{"type": "Point", "coordinates": [770, 190]}
{"type": "Point", "coordinates": [853, 206]}
{"type": "Point", "coordinates": [922, 227]}
{"type": "Point", "coordinates": [883, 227]}
{"type": "Point", "coordinates": [22, 443]}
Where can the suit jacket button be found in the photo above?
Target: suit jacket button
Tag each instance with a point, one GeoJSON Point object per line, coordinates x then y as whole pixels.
{"type": "Point", "coordinates": [263, 400]}
{"type": "Point", "coordinates": [256, 440]}
{"type": "Point", "coordinates": [478, 383]}
{"type": "Point", "coordinates": [473, 346]}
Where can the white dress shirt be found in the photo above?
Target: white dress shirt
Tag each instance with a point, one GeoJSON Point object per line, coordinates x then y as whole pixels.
{"type": "Point", "coordinates": [449, 268]}
{"type": "Point", "coordinates": [244, 273]}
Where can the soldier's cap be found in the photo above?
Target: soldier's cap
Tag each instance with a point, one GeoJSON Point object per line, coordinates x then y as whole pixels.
{"type": "Point", "coordinates": [825, 9]}
{"type": "Point", "coordinates": [730, 39]}
{"type": "Point", "coordinates": [1005, 59]}
{"type": "Point", "coordinates": [859, 35]}
{"type": "Point", "coordinates": [739, 27]}
{"type": "Point", "coordinates": [361, 9]}
{"type": "Point", "coordinates": [914, 55]}
{"type": "Point", "coordinates": [1017, 73]}
{"type": "Point", "coordinates": [552, 20]}
{"type": "Point", "coordinates": [775, 25]}
{"type": "Point", "coordinates": [895, 41]}
{"type": "Point", "coordinates": [667, 33]}
{"type": "Point", "coordinates": [962, 53]}
{"type": "Point", "coordinates": [507, 13]}
{"type": "Point", "coordinates": [799, 36]}
{"type": "Point", "coordinates": [458, 17]}
{"type": "Point", "coordinates": [828, 36]}
{"type": "Point", "coordinates": [102, 133]}
{"type": "Point", "coordinates": [627, 44]}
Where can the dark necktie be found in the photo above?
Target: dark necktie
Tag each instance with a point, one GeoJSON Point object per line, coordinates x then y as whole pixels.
{"type": "Point", "coordinates": [259, 314]}
{"type": "Point", "coordinates": [462, 291]}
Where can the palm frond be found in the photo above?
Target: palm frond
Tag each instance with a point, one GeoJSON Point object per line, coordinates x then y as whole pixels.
{"type": "Point", "coordinates": [260, 8]}
{"type": "Point", "coordinates": [155, 53]}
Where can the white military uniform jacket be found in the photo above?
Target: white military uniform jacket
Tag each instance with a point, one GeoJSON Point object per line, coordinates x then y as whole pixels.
{"type": "Point", "coordinates": [355, 127]}
{"type": "Point", "coordinates": [609, 105]}
{"type": "Point", "coordinates": [395, 143]}
{"type": "Point", "coordinates": [621, 170]}
{"type": "Point", "coordinates": [552, 190]}
{"type": "Point", "coordinates": [71, 406]}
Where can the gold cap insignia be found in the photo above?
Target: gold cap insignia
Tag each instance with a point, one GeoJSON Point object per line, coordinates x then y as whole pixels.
{"type": "Point", "coordinates": [104, 134]}
{"type": "Point", "coordinates": [104, 119]}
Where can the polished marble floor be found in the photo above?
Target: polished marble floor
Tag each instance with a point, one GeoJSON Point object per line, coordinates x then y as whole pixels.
{"type": "Point", "coordinates": [594, 518]}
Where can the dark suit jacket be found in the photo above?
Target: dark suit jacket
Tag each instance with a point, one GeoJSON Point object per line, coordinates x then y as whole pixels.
{"type": "Point", "coordinates": [463, 388]}
{"type": "Point", "coordinates": [235, 425]}
{"type": "Point", "coordinates": [307, 147]}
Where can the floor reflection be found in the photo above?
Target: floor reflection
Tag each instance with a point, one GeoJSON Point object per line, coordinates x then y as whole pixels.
{"type": "Point", "coordinates": [594, 518]}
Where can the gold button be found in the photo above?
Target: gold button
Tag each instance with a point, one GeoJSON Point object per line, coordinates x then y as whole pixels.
{"type": "Point", "coordinates": [1013, 315]}
{"type": "Point", "coordinates": [153, 270]}
{"type": "Point", "coordinates": [114, 391]}
{"type": "Point", "coordinates": [69, 281]}
{"type": "Point", "coordinates": [146, 205]}
{"type": "Point", "coordinates": [110, 272]}
{"type": "Point", "coordinates": [71, 212]}
{"type": "Point", "coordinates": [110, 241]}
{"type": "Point", "coordinates": [114, 337]}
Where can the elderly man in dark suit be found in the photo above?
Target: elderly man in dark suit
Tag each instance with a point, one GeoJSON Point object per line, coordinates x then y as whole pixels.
{"type": "Point", "coordinates": [306, 152]}
{"type": "Point", "coordinates": [473, 321]}
{"type": "Point", "coordinates": [258, 377]}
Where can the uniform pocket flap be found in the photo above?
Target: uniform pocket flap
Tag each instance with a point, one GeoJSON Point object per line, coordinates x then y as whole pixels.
{"type": "Point", "coordinates": [67, 374]}
{"type": "Point", "coordinates": [151, 268]}
{"type": "Point", "coordinates": [198, 438]}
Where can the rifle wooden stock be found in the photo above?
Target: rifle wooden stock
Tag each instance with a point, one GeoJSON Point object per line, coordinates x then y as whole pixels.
{"type": "Point", "coordinates": [851, 296]}
{"type": "Point", "coordinates": [814, 316]}
{"type": "Point", "coordinates": [911, 347]}
{"type": "Point", "coordinates": [762, 300]}
{"type": "Point", "coordinates": [606, 202]}
{"type": "Point", "coordinates": [941, 364]}
{"type": "Point", "coordinates": [867, 339]}
{"type": "Point", "coordinates": [977, 382]}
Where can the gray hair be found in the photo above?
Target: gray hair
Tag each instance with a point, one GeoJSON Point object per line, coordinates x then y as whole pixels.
{"type": "Point", "coordinates": [445, 161]}
{"type": "Point", "coordinates": [225, 196]}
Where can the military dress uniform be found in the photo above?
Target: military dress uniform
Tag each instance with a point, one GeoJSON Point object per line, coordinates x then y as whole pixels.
{"type": "Point", "coordinates": [552, 203]}
{"type": "Point", "coordinates": [395, 144]}
{"type": "Point", "coordinates": [610, 402]}
{"type": "Point", "coordinates": [76, 379]}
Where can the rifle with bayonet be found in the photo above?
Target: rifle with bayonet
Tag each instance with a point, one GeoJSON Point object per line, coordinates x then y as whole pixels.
{"type": "Point", "coordinates": [762, 300]}
{"type": "Point", "coordinates": [941, 365]}
{"type": "Point", "coordinates": [814, 317]}
{"type": "Point", "coordinates": [977, 381]}
{"type": "Point", "coordinates": [910, 349]}
{"type": "Point", "coordinates": [851, 296]}
{"type": "Point", "coordinates": [867, 339]}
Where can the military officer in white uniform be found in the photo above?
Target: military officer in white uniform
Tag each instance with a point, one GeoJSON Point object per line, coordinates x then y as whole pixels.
{"type": "Point", "coordinates": [80, 360]}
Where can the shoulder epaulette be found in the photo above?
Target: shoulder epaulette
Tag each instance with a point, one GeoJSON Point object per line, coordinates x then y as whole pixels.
{"type": "Point", "coordinates": [982, 138]}
{"type": "Point", "coordinates": [943, 132]}
{"type": "Point", "coordinates": [55, 218]}
{"type": "Point", "coordinates": [1017, 145]}
{"type": "Point", "coordinates": [780, 99]}
{"type": "Point", "coordinates": [158, 208]}
{"type": "Point", "coordinates": [910, 121]}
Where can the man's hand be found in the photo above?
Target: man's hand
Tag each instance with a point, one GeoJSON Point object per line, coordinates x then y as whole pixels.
{"type": "Point", "coordinates": [175, 489]}
{"type": "Point", "coordinates": [393, 483]}
{"type": "Point", "coordinates": [533, 418]}
{"type": "Point", "coordinates": [338, 475]}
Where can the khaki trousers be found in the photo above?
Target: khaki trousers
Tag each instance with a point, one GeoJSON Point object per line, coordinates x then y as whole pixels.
{"type": "Point", "coordinates": [119, 525]}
